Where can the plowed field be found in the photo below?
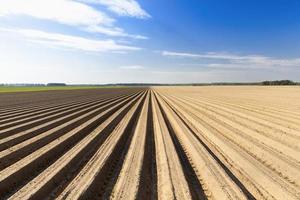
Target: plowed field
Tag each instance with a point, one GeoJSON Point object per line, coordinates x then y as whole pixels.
{"type": "Point", "coordinates": [151, 143]}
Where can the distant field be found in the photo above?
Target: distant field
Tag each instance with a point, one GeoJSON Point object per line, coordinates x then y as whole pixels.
{"type": "Point", "coordinates": [4, 89]}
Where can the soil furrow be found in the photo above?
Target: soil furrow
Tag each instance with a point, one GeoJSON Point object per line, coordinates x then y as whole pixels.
{"type": "Point", "coordinates": [126, 186]}
{"type": "Point", "coordinates": [206, 131]}
{"type": "Point", "coordinates": [96, 173]}
{"type": "Point", "coordinates": [21, 150]}
{"type": "Point", "coordinates": [15, 175]}
{"type": "Point", "coordinates": [23, 135]}
{"type": "Point", "coordinates": [216, 182]}
{"type": "Point", "coordinates": [279, 166]}
{"type": "Point", "coordinates": [64, 170]}
{"type": "Point", "coordinates": [104, 182]}
{"type": "Point", "coordinates": [195, 187]}
{"type": "Point", "coordinates": [148, 181]}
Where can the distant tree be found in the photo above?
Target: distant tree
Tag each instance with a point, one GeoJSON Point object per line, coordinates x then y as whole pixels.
{"type": "Point", "coordinates": [279, 82]}
{"type": "Point", "coordinates": [56, 84]}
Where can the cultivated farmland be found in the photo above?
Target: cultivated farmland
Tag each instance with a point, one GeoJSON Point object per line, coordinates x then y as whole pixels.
{"type": "Point", "coordinates": [151, 143]}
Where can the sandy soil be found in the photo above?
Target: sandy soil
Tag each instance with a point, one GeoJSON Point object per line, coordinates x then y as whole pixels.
{"type": "Point", "coordinates": [215, 142]}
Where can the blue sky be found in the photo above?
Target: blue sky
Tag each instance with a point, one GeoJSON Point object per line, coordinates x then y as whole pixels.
{"type": "Point", "coordinates": [151, 41]}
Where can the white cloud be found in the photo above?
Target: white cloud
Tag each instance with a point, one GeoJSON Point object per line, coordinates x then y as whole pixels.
{"type": "Point", "coordinates": [62, 11]}
{"type": "Point", "coordinates": [133, 67]}
{"type": "Point", "coordinates": [71, 42]}
{"type": "Point", "coordinates": [233, 60]}
{"type": "Point", "coordinates": [122, 7]}
{"type": "Point", "coordinates": [67, 12]}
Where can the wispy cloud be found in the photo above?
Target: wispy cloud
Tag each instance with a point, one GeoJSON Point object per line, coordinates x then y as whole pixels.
{"type": "Point", "coordinates": [72, 13]}
{"type": "Point", "coordinates": [232, 60]}
{"type": "Point", "coordinates": [122, 7]}
{"type": "Point", "coordinates": [133, 67]}
{"type": "Point", "coordinates": [70, 42]}
{"type": "Point", "coordinates": [211, 55]}
{"type": "Point", "coordinates": [114, 31]}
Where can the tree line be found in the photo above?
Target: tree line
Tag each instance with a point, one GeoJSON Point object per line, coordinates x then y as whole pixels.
{"type": "Point", "coordinates": [263, 83]}
{"type": "Point", "coordinates": [280, 82]}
